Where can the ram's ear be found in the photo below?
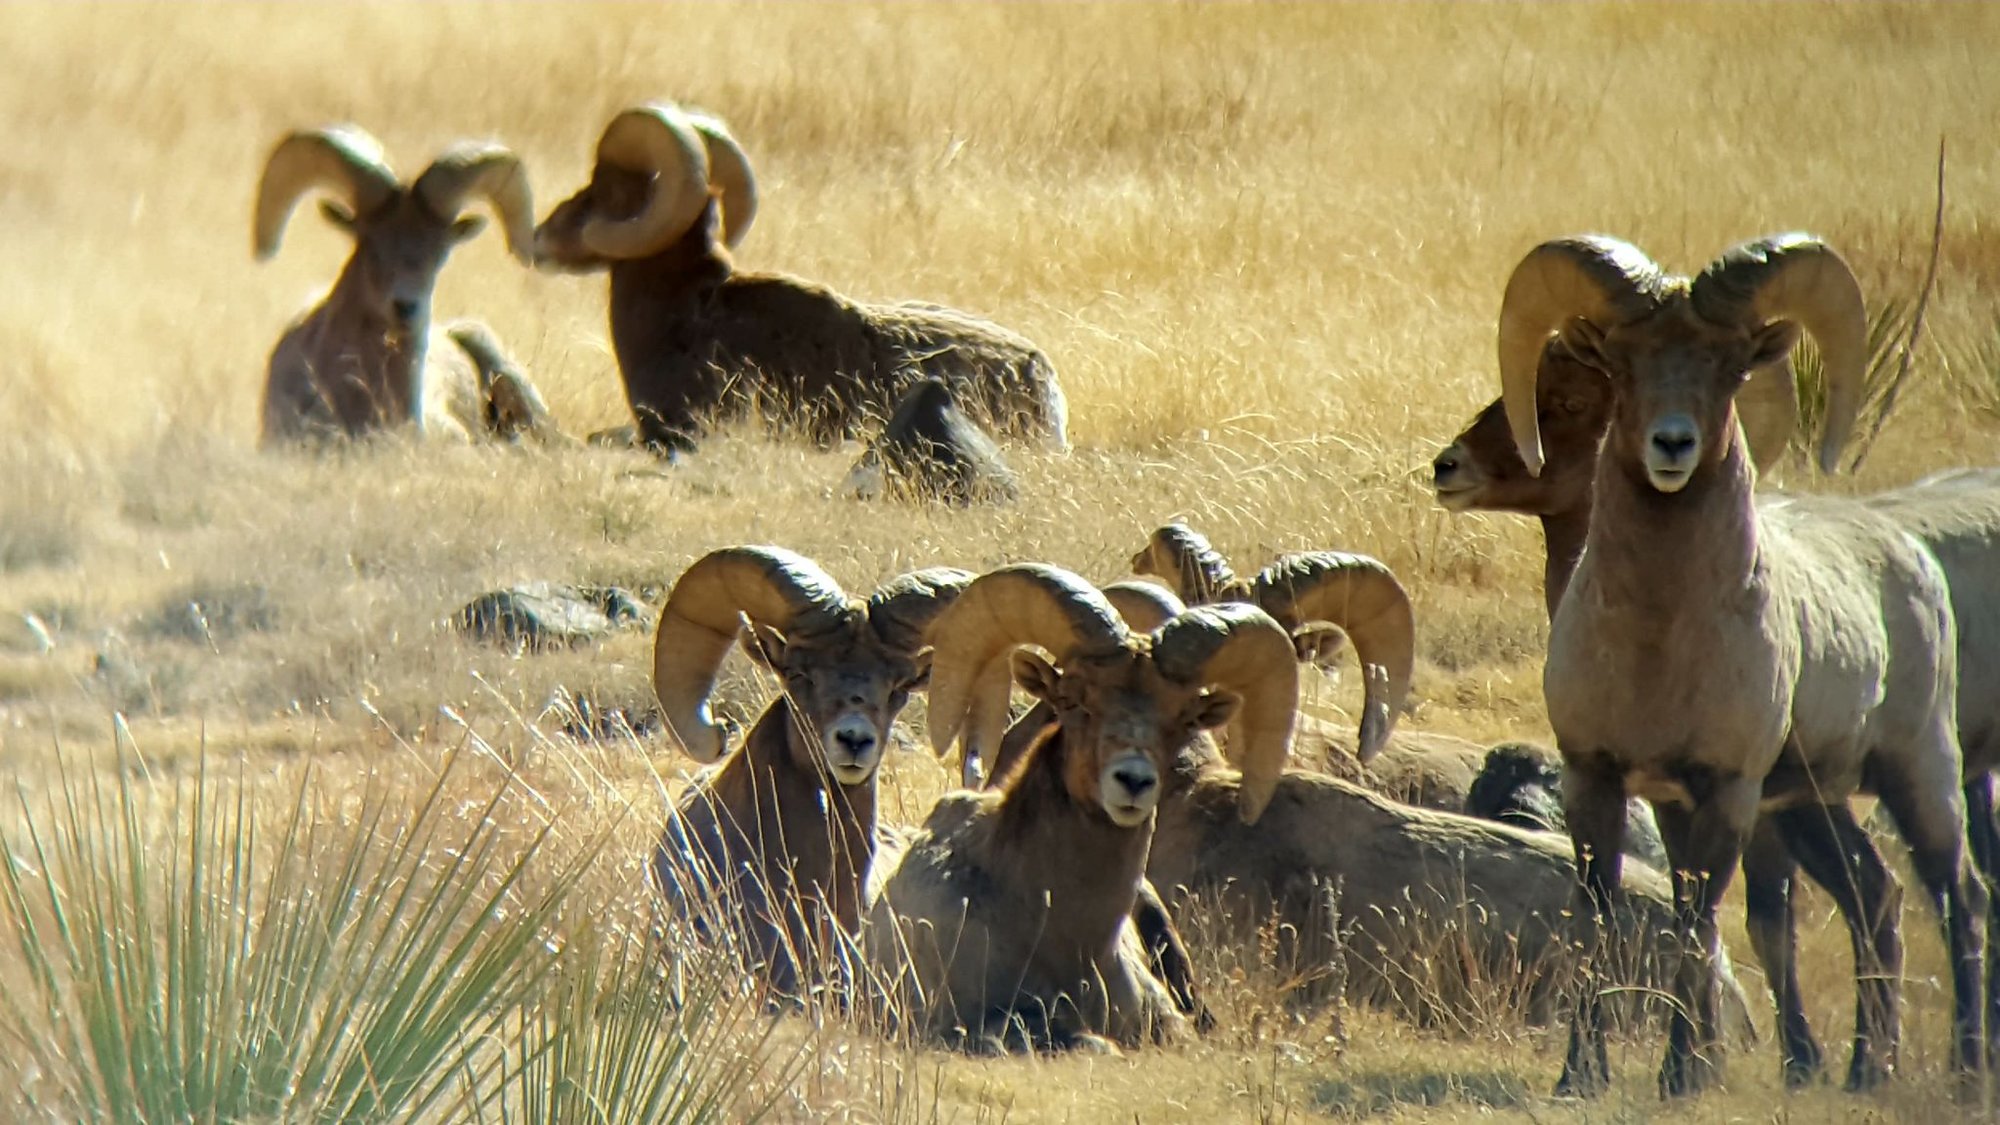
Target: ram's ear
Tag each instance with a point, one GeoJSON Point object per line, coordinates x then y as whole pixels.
{"type": "Point", "coordinates": [1036, 676]}
{"type": "Point", "coordinates": [765, 645]}
{"type": "Point", "coordinates": [467, 227]}
{"type": "Point", "coordinates": [337, 214]}
{"type": "Point", "coordinates": [921, 678]}
{"type": "Point", "coordinates": [1212, 709]}
{"type": "Point", "coordinates": [1585, 343]}
{"type": "Point", "coordinates": [1774, 342]}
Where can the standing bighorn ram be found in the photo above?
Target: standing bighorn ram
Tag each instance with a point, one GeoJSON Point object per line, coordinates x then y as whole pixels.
{"type": "Point", "coordinates": [1722, 657]}
{"type": "Point", "coordinates": [1024, 913]}
{"type": "Point", "coordinates": [671, 194]}
{"type": "Point", "coordinates": [775, 845]}
{"type": "Point", "coordinates": [367, 356]}
{"type": "Point", "coordinates": [1956, 514]}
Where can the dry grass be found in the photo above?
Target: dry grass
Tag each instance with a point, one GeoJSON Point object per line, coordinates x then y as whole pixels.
{"type": "Point", "coordinates": [1263, 243]}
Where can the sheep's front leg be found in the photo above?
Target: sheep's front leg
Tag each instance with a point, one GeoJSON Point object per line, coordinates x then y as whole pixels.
{"type": "Point", "coordinates": [1704, 845]}
{"type": "Point", "coordinates": [1594, 807]}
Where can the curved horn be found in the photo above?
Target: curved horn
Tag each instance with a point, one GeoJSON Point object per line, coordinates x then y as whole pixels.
{"type": "Point", "coordinates": [1363, 597]}
{"type": "Point", "coordinates": [901, 611]}
{"type": "Point", "coordinates": [656, 139]}
{"type": "Point", "coordinates": [729, 170]}
{"type": "Point", "coordinates": [341, 159]}
{"type": "Point", "coordinates": [1145, 606]}
{"type": "Point", "coordinates": [770, 586]}
{"type": "Point", "coordinates": [1025, 604]}
{"type": "Point", "coordinates": [1185, 560]}
{"type": "Point", "coordinates": [491, 171]}
{"type": "Point", "coordinates": [1240, 648]}
{"type": "Point", "coordinates": [1602, 280]}
{"type": "Point", "coordinates": [1800, 278]}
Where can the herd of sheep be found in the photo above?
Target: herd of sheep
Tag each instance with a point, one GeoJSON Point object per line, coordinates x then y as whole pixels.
{"type": "Point", "coordinates": [1727, 667]}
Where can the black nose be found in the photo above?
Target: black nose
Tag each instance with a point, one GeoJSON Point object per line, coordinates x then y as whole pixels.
{"type": "Point", "coordinates": [1446, 463]}
{"type": "Point", "coordinates": [1674, 445]}
{"type": "Point", "coordinates": [406, 310]}
{"type": "Point", "coordinates": [855, 744]}
{"type": "Point", "coordinates": [1135, 781]}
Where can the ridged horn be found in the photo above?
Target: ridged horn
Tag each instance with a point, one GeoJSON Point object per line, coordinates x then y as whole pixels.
{"type": "Point", "coordinates": [902, 610]}
{"type": "Point", "coordinates": [1800, 278]}
{"type": "Point", "coordinates": [340, 159]}
{"type": "Point", "coordinates": [481, 169]}
{"type": "Point", "coordinates": [1363, 597]}
{"type": "Point", "coordinates": [1024, 604]}
{"type": "Point", "coordinates": [1240, 648]}
{"type": "Point", "coordinates": [1602, 280]}
{"type": "Point", "coordinates": [729, 170]}
{"type": "Point", "coordinates": [769, 585]}
{"type": "Point", "coordinates": [1184, 559]}
{"type": "Point", "coordinates": [658, 139]}
{"type": "Point", "coordinates": [1145, 606]}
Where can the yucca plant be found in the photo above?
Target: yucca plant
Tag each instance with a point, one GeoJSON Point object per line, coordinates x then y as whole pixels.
{"type": "Point", "coordinates": [628, 1037]}
{"type": "Point", "coordinates": [1889, 324]}
{"type": "Point", "coordinates": [185, 956]}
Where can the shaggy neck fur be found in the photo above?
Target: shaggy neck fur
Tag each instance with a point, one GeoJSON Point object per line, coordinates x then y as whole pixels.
{"type": "Point", "coordinates": [1654, 554]}
{"type": "Point", "coordinates": [799, 821]}
{"type": "Point", "coordinates": [1089, 867]}
{"type": "Point", "coordinates": [380, 367]}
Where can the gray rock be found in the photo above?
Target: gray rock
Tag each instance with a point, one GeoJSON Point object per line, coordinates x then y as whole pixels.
{"type": "Point", "coordinates": [538, 615]}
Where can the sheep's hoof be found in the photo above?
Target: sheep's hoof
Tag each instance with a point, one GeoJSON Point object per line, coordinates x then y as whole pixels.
{"type": "Point", "coordinates": [1581, 1082]}
{"type": "Point", "coordinates": [1686, 1073]}
{"type": "Point", "coordinates": [1801, 1072]}
{"type": "Point", "coordinates": [1866, 1073]}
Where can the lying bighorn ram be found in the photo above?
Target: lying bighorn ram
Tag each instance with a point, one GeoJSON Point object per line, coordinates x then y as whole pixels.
{"type": "Point", "coordinates": [1024, 912]}
{"type": "Point", "coordinates": [777, 842]}
{"type": "Point", "coordinates": [1404, 879]}
{"type": "Point", "coordinates": [367, 356]}
{"type": "Point", "coordinates": [671, 194]}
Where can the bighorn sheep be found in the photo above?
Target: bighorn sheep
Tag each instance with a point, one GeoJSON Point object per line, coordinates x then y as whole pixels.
{"type": "Point", "coordinates": [671, 194]}
{"type": "Point", "coordinates": [1716, 656]}
{"type": "Point", "coordinates": [1402, 877]}
{"type": "Point", "coordinates": [1371, 604]}
{"type": "Point", "coordinates": [1013, 914]}
{"type": "Point", "coordinates": [777, 842]}
{"type": "Point", "coordinates": [367, 356]}
{"type": "Point", "coordinates": [1955, 513]}
{"type": "Point", "coordinates": [931, 450]}
{"type": "Point", "coordinates": [1521, 785]}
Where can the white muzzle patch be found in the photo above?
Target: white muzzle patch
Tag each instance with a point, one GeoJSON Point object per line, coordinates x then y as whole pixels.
{"type": "Point", "coordinates": [1129, 789]}
{"type": "Point", "coordinates": [1673, 449]}
{"type": "Point", "coordinates": [853, 748]}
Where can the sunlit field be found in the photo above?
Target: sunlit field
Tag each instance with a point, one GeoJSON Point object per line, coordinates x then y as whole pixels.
{"type": "Point", "coordinates": [1264, 246]}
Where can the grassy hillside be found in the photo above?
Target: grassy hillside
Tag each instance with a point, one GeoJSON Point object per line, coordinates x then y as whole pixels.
{"type": "Point", "coordinates": [1263, 244]}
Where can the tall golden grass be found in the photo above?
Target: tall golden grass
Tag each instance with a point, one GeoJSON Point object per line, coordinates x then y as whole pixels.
{"type": "Point", "coordinates": [1263, 244]}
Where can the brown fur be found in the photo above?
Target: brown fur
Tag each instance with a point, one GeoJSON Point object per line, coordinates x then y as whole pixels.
{"type": "Point", "coordinates": [697, 340]}
{"type": "Point", "coordinates": [1017, 916]}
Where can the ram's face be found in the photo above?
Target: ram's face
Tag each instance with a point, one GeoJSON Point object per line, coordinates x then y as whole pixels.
{"type": "Point", "coordinates": [1674, 378]}
{"type": "Point", "coordinates": [613, 194]}
{"type": "Point", "coordinates": [1122, 726]}
{"type": "Point", "coordinates": [845, 692]}
{"type": "Point", "coordinates": [1482, 470]}
{"type": "Point", "coordinates": [400, 248]}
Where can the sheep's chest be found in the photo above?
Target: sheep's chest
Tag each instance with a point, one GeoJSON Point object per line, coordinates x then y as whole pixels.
{"type": "Point", "coordinates": [1659, 693]}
